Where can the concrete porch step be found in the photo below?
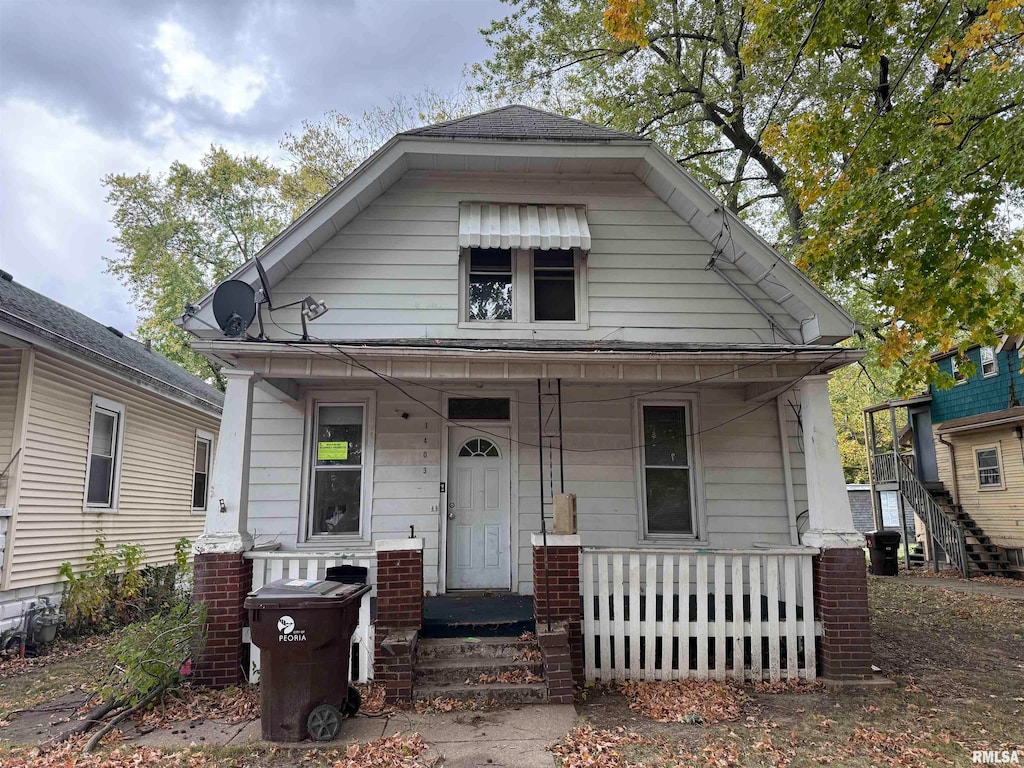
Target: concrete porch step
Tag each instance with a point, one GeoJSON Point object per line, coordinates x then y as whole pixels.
{"type": "Point", "coordinates": [469, 670]}
{"type": "Point", "coordinates": [496, 694]}
{"type": "Point", "coordinates": [461, 648]}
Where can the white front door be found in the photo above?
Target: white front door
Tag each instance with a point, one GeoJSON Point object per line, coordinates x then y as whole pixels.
{"type": "Point", "coordinates": [479, 505]}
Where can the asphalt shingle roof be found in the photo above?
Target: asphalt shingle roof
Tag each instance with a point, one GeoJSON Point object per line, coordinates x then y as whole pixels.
{"type": "Point", "coordinates": [521, 123]}
{"type": "Point", "coordinates": [71, 330]}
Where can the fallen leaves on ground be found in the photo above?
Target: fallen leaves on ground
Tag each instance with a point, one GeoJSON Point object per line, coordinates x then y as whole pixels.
{"type": "Point", "coordinates": [230, 705]}
{"type": "Point", "coordinates": [398, 751]}
{"type": "Point", "coordinates": [59, 650]}
{"type": "Point", "coordinates": [528, 654]}
{"type": "Point", "coordinates": [789, 685]}
{"type": "Point", "coordinates": [527, 636]}
{"type": "Point", "coordinates": [512, 677]}
{"type": "Point", "coordinates": [587, 747]}
{"type": "Point", "coordinates": [685, 701]}
{"type": "Point", "coordinates": [424, 706]}
{"type": "Point", "coordinates": [372, 698]}
{"type": "Point", "coordinates": [954, 576]}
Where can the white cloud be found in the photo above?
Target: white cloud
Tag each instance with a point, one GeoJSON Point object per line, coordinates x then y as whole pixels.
{"type": "Point", "coordinates": [55, 224]}
{"type": "Point", "coordinates": [191, 73]}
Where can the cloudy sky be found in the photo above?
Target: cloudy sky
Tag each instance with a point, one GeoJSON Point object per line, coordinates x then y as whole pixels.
{"type": "Point", "coordinates": [89, 88]}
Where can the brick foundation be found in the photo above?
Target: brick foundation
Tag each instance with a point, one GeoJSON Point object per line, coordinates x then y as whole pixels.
{"type": "Point", "coordinates": [221, 582]}
{"type": "Point", "coordinates": [557, 659]}
{"type": "Point", "coordinates": [563, 576]}
{"type": "Point", "coordinates": [399, 619]}
{"type": "Point", "coordinates": [841, 599]}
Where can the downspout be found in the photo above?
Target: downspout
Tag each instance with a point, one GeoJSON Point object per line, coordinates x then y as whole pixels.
{"type": "Point", "coordinates": [955, 492]}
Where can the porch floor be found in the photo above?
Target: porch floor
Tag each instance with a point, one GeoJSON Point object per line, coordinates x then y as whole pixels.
{"type": "Point", "coordinates": [477, 614]}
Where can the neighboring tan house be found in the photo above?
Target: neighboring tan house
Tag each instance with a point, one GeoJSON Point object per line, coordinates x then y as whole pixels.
{"type": "Point", "coordinates": [965, 461]}
{"type": "Point", "coordinates": [98, 434]}
{"type": "Point", "coordinates": [521, 305]}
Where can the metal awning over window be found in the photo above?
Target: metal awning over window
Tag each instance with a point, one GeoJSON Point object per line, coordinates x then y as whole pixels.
{"type": "Point", "coordinates": [510, 225]}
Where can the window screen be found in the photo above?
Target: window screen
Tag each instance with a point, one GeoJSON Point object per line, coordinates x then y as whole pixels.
{"type": "Point", "coordinates": [667, 470]}
{"type": "Point", "coordinates": [554, 285]}
{"type": "Point", "coordinates": [480, 408]}
{"type": "Point", "coordinates": [337, 469]}
{"type": "Point", "coordinates": [490, 284]}
{"type": "Point", "coordinates": [102, 457]}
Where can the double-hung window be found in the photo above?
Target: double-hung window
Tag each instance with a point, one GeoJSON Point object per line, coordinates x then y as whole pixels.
{"type": "Point", "coordinates": [989, 363]}
{"type": "Point", "coordinates": [958, 376]}
{"type": "Point", "coordinates": [102, 473]}
{"type": "Point", "coordinates": [990, 473]}
{"type": "Point", "coordinates": [667, 471]}
{"type": "Point", "coordinates": [554, 285]}
{"type": "Point", "coordinates": [490, 284]}
{"type": "Point", "coordinates": [337, 462]}
{"type": "Point", "coordinates": [201, 470]}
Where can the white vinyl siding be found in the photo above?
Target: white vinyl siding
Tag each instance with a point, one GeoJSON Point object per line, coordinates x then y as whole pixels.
{"type": "Point", "coordinates": [10, 370]}
{"type": "Point", "coordinates": [393, 271]}
{"type": "Point", "coordinates": [743, 485]}
{"type": "Point", "coordinates": [155, 489]}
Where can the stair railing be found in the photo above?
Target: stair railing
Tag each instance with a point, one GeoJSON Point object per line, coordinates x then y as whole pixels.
{"type": "Point", "coordinates": [941, 529]}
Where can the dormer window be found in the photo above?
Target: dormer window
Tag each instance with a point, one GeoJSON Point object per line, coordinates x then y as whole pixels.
{"type": "Point", "coordinates": [989, 364]}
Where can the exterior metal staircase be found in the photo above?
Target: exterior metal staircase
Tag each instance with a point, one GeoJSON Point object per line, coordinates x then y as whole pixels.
{"type": "Point", "coordinates": [982, 554]}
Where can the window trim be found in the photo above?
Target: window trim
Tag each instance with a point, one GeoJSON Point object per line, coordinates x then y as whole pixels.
{"type": "Point", "coordinates": [367, 400]}
{"type": "Point", "coordinates": [208, 437]}
{"type": "Point", "coordinates": [999, 462]}
{"type": "Point", "coordinates": [994, 361]}
{"type": "Point", "coordinates": [110, 406]}
{"type": "Point", "coordinates": [958, 377]}
{"type": "Point", "coordinates": [522, 296]}
{"type": "Point", "coordinates": [691, 403]}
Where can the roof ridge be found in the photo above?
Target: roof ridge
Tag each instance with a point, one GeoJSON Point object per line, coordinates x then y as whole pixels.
{"type": "Point", "coordinates": [477, 126]}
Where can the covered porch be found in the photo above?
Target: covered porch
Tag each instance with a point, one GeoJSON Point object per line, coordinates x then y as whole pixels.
{"type": "Point", "coordinates": [705, 484]}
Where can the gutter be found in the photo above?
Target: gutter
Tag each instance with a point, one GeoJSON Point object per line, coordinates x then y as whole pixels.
{"type": "Point", "coordinates": [955, 490]}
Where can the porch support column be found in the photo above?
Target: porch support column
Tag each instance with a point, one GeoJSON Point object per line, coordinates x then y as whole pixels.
{"type": "Point", "coordinates": [840, 573]}
{"type": "Point", "coordinates": [223, 576]}
{"type": "Point", "coordinates": [399, 615]}
{"type": "Point", "coordinates": [559, 584]}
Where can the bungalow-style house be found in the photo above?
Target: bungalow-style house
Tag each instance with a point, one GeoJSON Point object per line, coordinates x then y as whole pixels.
{"type": "Point", "coordinates": [99, 434]}
{"type": "Point", "coordinates": [523, 308]}
{"type": "Point", "coordinates": [960, 463]}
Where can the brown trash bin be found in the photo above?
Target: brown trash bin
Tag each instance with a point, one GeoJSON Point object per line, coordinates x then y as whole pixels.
{"type": "Point", "coordinates": [884, 549]}
{"type": "Point", "coordinates": [304, 631]}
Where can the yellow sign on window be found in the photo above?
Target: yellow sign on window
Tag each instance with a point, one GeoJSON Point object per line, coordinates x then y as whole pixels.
{"type": "Point", "coordinates": [332, 451]}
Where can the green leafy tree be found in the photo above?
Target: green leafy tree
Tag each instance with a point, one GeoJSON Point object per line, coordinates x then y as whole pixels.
{"type": "Point", "coordinates": [881, 143]}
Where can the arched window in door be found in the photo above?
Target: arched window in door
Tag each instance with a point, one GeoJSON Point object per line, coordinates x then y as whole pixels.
{"type": "Point", "coordinates": [479, 447]}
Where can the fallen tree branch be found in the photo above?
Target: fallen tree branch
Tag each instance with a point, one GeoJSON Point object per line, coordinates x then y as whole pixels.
{"type": "Point", "coordinates": [111, 724]}
{"type": "Point", "coordinates": [91, 719]}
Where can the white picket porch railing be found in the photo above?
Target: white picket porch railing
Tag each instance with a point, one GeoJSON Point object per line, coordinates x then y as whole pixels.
{"type": "Point", "coordinates": [269, 566]}
{"type": "Point", "coordinates": [658, 614]}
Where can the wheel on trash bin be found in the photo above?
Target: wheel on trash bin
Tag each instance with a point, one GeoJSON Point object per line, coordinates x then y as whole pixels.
{"type": "Point", "coordinates": [352, 701]}
{"type": "Point", "coordinates": [324, 722]}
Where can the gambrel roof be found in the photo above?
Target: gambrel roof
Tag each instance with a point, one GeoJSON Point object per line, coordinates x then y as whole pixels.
{"type": "Point", "coordinates": [524, 140]}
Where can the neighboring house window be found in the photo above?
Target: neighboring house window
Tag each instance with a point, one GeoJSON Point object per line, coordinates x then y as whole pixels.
{"type": "Point", "coordinates": [337, 469]}
{"type": "Point", "coordinates": [989, 364]}
{"type": "Point", "coordinates": [105, 433]}
{"type": "Point", "coordinates": [667, 470]}
{"type": "Point", "coordinates": [490, 284]}
{"type": "Point", "coordinates": [201, 470]}
{"type": "Point", "coordinates": [958, 377]}
{"type": "Point", "coordinates": [554, 285]}
{"type": "Point", "coordinates": [990, 473]}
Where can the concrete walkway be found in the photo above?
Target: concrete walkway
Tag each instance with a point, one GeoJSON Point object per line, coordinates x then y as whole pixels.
{"type": "Point", "coordinates": [973, 586]}
{"type": "Point", "coordinates": [494, 738]}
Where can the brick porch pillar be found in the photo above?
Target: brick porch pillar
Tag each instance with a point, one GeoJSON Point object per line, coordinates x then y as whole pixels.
{"type": "Point", "coordinates": [223, 576]}
{"type": "Point", "coordinates": [841, 599]}
{"type": "Point", "coordinates": [562, 582]}
{"type": "Point", "coordinates": [840, 573]}
{"type": "Point", "coordinates": [399, 615]}
{"type": "Point", "coordinates": [222, 580]}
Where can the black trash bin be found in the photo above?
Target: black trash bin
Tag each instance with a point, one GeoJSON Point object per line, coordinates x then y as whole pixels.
{"type": "Point", "coordinates": [304, 632]}
{"type": "Point", "coordinates": [884, 547]}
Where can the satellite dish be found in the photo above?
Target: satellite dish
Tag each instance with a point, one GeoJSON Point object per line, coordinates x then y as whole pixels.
{"type": "Point", "coordinates": [234, 306]}
{"type": "Point", "coordinates": [265, 283]}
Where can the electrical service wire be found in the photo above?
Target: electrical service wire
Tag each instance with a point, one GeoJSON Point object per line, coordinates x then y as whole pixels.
{"type": "Point", "coordinates": [391, 381]}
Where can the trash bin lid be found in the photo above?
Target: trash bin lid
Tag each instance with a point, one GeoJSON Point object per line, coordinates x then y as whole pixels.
{"type": "Point", "coordinates": [886, 537]}
{"type": "Point", "coordinates": [298, 593]}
